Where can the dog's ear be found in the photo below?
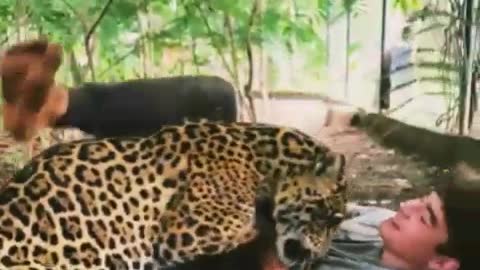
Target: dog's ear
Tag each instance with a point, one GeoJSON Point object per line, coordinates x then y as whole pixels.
{"type": "Point", "coordinates": [15, 66]}
{"type": "Point", "coordinates": [37, 47]}
{"type": "Point", "coordinates": [40, 78]}
{"type": "Point", "coordinates": [14, 69]}
{"type": "Point", "coordinates": [28, 75]}
{"type": "Point", "coordinates": [53, 57]}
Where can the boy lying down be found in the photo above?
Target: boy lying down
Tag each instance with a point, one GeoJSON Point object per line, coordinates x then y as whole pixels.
{"type": "Point", "coordinates": [436, 232]}
{"type": "Point", "coordinates": [429, 233]}
{"type": "Point", "coordinates": [379, 238]}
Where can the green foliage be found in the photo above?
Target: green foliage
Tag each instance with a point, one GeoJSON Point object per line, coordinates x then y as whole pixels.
{"type": "Point", "coordinates": [67, 21]}
{"type": "Point", "coordinates": [408, 5]}
{"type": "Point", "coordinates": [325, 8]}
{"type": "Point", "coordinates": [135, 36]}
{"type": "Point", "coordinates": [6, 12]}
{"type": "Point", "coordinates": [447, 64]}
{"type": "Point", "coordinates": [355, 7]}
{"type": "Point", "coordinates": [55, 22]}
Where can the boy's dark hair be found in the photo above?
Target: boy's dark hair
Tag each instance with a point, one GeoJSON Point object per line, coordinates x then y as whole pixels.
{"type": "Point", "coordinates": [461, 202]}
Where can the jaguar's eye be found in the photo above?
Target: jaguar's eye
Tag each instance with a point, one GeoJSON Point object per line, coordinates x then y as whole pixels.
{"type": "Point", "coordinates": [319, 168]}
{"type": "Point", "coordinates": [335, 219]}
{"type": "Point", "coordinates": [319, 214]}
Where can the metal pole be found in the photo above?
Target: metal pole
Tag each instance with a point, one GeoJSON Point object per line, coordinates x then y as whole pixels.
{"type": "Point", "coordinates": [382, 53]}
{"type": "Point", "coordinates": [465, 91]}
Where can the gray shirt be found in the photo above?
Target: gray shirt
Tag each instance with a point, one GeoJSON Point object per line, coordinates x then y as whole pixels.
{"type": "Point", "coordinates": [357, 245]}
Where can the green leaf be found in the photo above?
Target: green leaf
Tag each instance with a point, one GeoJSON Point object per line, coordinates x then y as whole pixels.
{"type": "Point", "coordinates": [408, 5]}
{"type": "Point", "coordinates": [304, 33]}
{"type": "Point", "coordinates": [325, 9]}
{"type": "Point", "coordinates": [196, 26]}
{"type": "Point", "coordinates": [271, 20]}
{"type": "Point", "coordinates": [354, 6]}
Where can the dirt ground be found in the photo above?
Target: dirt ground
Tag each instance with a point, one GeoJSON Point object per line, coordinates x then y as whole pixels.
{"type": "Point", "coordinates": [378, 176]}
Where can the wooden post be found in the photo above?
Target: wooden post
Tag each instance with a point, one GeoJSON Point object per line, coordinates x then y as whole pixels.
{"type": "Point", "coordinates": [382, 53]}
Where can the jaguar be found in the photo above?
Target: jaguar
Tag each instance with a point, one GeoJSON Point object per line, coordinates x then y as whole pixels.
{"type": "Point", "coordinates": [186, 191]}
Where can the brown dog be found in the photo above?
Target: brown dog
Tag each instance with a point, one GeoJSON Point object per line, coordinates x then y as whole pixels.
{"type": "Point", "coordinates": [34, 101]}
{"type": "Point", "coordinates": [27, 72]}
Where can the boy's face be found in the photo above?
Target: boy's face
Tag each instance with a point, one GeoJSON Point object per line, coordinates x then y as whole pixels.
{"type": "Point", "coordinates": [413, 234]}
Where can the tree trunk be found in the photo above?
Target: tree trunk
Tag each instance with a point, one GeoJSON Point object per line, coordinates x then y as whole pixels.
{"type": "Point", "coordinates": [382, 56]}
{"type": "Point", "coordinates": [75, 70]}
{"type": "Point", "coordinates": [195, 55]}
{"type": "Point", "coordinates": [233, 51]}
{"type": "Point", "coordinates": [465, 91]}
{"type": "Point", "coordinates": [89, 52]}
{"type": "Point", "coordinates": [327, 31]}
{"type": "Point", "coordinates": [347, 56]}
{"type": "Point", "coordinates": [20, 12]}
{"type": "Point", "coordinates": [263, 68]}
{"type": "Point", "coordinates": [146, 51]}
{"type": "Point", "coordinates": [143, 46]}
{"type": "Point", "coordinates": [90, 41]}
{"type": "Point", "coordinates": [327, 41]}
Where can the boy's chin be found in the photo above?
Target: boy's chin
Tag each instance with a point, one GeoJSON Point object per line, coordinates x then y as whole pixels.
{"type": "Point", "coordinates": [273, 263]}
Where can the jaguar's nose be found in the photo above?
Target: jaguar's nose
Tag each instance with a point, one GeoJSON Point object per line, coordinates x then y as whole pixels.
{"type": "Point", "coordinates": [294, 251]}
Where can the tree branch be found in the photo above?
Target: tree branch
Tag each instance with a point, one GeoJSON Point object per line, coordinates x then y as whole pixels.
{"type": "Point", "coordinates": [248, 86]}
{"type": "Point", "coordinates": [80, 18]}
{"type": "Point", "coordinates": [118, 60]}
{"type": "Point", "coordinates": [211, 33]}
{"type": "Point", "coordinates": [89, 35]}
{"type": "Point", "coordinates": [233, 49]}
{"type": "Point", "coordinates": [97, 22]}
{"type": "Point", "coordinates": [4, 40]}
